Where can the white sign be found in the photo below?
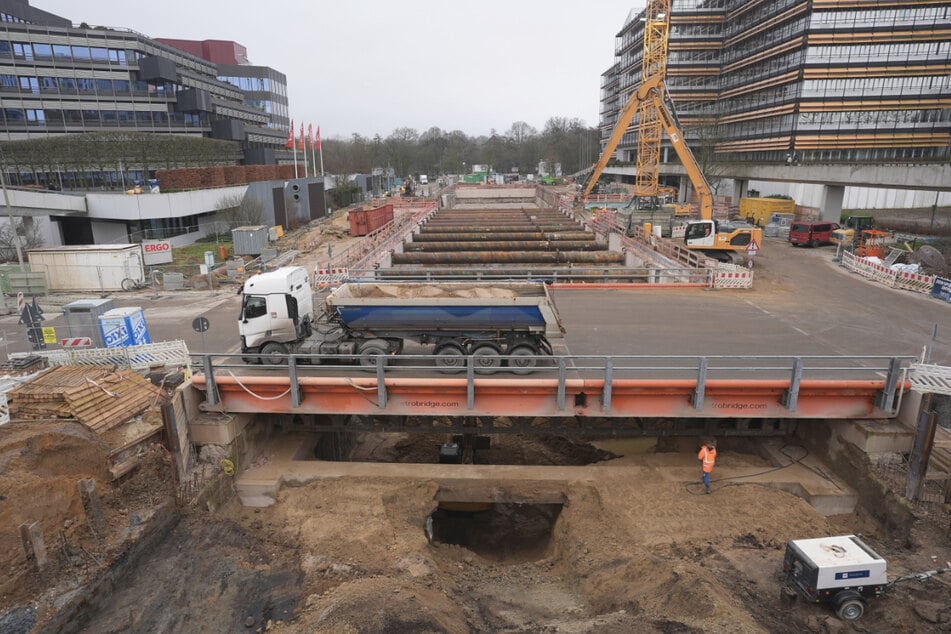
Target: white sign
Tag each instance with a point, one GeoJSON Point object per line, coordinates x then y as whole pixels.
{"type": "Point", "coordinates": [156, 252]}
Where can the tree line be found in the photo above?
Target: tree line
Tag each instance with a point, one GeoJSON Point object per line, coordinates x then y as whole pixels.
{"type": "Point", "coordinates": [435, 151]}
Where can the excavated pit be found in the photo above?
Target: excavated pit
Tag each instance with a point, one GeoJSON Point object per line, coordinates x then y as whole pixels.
{"type": "Point", "coordinates": [503, 533]}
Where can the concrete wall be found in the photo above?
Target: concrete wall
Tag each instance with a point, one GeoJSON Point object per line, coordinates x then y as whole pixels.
{"type": "Point", "coordinates": [855, 197]}
{"type": "Point", "coordinates": [109, 232]}
{"type": "Point", "coordinates": [146, 206]}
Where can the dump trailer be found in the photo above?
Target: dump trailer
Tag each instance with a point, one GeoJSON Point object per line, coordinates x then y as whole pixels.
{"type": "Point", "coordinates": [503, 326]}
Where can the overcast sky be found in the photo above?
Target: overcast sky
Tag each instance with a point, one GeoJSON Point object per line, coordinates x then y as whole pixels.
{"type": "Point", "coordinates": [370, 67]}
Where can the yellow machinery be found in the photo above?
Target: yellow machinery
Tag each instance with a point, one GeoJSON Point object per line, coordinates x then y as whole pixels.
{"type": "Point", "coordinates": [759, 211]}
{"type": "Point", "coordinates": [655, 110]}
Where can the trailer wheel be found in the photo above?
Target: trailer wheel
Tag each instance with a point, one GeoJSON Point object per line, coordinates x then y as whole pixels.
{"type": "Point", "coordinates": [273, 353]}
{"type": "Point", "coordinates": [450, 358]}
{"type": "Point", "coordinates": [370, 350]}
{"type": "Point", "coordinates": [522, 359]}
{"type": "Point", "coordinates": [849, 606]}
{"type": "Point", "coordinates": [486, 359]}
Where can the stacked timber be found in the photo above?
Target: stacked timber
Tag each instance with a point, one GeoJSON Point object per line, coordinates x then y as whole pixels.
{"type": "Point", "coordinates": [100, 397]}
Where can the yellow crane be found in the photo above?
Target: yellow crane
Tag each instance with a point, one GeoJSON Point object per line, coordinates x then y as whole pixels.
{"type": "Point", "coordinates": [655, 110]}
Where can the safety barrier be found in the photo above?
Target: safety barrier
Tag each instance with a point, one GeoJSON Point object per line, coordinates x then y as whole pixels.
{"type": "Point", "coordinates": [732, 276]}
{"type": "Point", "coordinates": [144, 357]}
{"type": "Point", "coordinates": [882, 274]}
{"type": "Point", "coordinates": [330, 277]}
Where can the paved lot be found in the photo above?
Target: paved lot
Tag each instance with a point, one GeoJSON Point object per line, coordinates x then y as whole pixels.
{"type": "Point", "coordinates": [803, 304]}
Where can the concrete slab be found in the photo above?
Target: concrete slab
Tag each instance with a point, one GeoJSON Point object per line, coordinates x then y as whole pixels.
{"type": "Point", "coordinates": [278, 466]}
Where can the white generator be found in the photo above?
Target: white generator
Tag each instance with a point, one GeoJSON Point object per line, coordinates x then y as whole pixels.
{"type": "Point", "coordinates": [842, 571]}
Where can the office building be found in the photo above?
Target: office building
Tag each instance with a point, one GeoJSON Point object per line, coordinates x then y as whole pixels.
{"type": "Point", "coordinates": [820, 81]}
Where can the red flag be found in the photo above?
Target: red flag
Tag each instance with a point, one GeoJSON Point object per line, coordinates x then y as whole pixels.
{"type": "Point", "coordinates": [310, 136]}
{"type": "Point", "coordinates": [300, 142]}
{"type": "Point", "coordinates": [290, 136]}
{"type": "Point", "coordinates": [317, 147]}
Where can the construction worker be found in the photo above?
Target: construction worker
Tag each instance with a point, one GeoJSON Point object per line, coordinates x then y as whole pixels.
{"type": "Point", "coordinates": [708, 458]}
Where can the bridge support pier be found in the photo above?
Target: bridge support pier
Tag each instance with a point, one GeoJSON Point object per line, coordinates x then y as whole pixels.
{"type": "Point", "coordinates": [832, 196]}
{"type": "Point", "coordinates": [740, 188]}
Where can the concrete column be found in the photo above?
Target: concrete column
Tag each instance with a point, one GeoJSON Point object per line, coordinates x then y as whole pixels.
{"type": "Point", "coordinates": [832, 196]}
{"type": "Point", "coordinates": [90, 500]}
{"type": "Point", "coordinates": [683, 189]}
{"type": "Point", "coordinates": [614, 242]}
{"type": "Point", "coordinates": [33, 545]}
{"type": "Point", "coordinates": [740, 187]}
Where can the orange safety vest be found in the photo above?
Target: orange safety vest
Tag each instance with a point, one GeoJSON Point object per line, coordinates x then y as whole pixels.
{"type": "Point", "coordinates": [709, 457]}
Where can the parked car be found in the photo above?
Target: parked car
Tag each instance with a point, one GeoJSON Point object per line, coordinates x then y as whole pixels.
{"type": "Point", "coordinates": [812, 233]}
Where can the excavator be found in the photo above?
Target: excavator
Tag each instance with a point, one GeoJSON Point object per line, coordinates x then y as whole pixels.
{"type": "Point", "coordinates": [656, 112]}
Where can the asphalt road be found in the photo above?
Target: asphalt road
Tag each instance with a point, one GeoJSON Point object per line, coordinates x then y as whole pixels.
{"type": "Point", "coordinates": [802, 304]}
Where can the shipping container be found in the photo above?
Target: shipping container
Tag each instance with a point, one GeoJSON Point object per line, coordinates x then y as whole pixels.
{"type": "Point", "coordinates": [364, 221]}
{"type": "Point", "coordinates": [250, 240]}
{"type": "Point", "coordinates": [124, 327]}
{"type": "Point", "coordinates": [89, 267]}
{"type": "Point", "coordinates": [759, 211]}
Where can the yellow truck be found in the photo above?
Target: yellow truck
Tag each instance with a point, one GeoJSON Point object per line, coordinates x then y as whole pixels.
{"type": "Point", "coordinates": [759, 211]}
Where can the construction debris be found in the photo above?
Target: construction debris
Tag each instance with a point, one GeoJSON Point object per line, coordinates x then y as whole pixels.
{"type": "Point", "coordinates": [99, 397]}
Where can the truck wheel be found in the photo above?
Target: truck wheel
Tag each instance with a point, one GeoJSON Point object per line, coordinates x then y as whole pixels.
{"type": "Point", "coordinates": [450, 359]}
{"type": "Point", "coordinates": [849, 606]}
{"type": "Point", "coordinates": [813, 244]}
{"type": "Point", "coordinates": [522, 359]}
{"type": "Point", "coordinates": [370, 350]}
{"type": "Point", "coordinates": [486, 359]}
{"type": "Point", "coordinates": [273, 353]}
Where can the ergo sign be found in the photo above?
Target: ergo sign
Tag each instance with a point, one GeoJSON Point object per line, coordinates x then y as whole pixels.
{"type": "Point", "coordinates": [156, 251]}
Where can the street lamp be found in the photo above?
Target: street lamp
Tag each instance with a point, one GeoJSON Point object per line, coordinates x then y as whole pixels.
{"type": "Point", "coordinates": [6, 200]}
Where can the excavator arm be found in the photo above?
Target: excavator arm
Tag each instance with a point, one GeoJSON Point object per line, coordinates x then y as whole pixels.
{"type": "Point", "coordinates": [625, 117]}
{"type": "Point", "coordinates": [653, 91]}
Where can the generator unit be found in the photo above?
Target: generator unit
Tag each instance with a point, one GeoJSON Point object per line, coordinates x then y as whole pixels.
{"type": "Point", "coordinates": [842, 571]}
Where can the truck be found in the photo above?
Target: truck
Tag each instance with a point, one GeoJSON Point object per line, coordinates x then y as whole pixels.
{"type": "Point", "coordinates": [842, 571]}
{"type": "Point", "coordinates": [503, 326]}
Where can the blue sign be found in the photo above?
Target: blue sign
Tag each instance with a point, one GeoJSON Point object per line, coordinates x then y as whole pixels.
{"type": "Point", "coordinates": [854, 574]}
{"type": "Point", "coordinates": [942, 289]}
{"type": "Point", "coordinates": [115, 332]}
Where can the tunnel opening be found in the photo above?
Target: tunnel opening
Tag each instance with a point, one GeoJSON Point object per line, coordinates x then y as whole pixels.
{"type": "Point", "coordinates": [499, 532]}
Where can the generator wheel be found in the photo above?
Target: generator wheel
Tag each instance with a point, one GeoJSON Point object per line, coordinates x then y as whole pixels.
{"type": "Point", "coordinates": [849, 606]}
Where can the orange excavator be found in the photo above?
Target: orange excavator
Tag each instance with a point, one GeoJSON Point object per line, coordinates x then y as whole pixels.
{"type": "Point", "coordinates": [655, 110]}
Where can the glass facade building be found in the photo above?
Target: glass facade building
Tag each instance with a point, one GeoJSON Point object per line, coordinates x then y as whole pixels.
{"type": "Point", "coordinates": [817, 81]}
{"type": "Point", "coordinates": [57, 78]}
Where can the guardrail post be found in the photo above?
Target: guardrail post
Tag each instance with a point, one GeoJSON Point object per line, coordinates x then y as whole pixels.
{"type": "Point", "coordinates": [698, 392]}
{"type": "Point", "coordinates": [791, 397]}
{"type": "Point", "coordinates": [211, 390]}
{"type": "Point", "coordinates": [470, 383]}
{"type": "Point", "coordinates": [295, 386]}
{"type": "Point", "coordinates": [562, 377]}
{"type": "Point", "coordinates": [380, 382]}
{"type": "Point", "coordinates": [886, 399]}
{"type": "Point", "coordinates": [608, 381]}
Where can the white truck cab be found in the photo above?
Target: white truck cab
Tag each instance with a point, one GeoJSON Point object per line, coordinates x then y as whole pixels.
{"type": "Point", "coordinates": [423, 179]}
{"type": "Point", "coordinates": [277, 309]}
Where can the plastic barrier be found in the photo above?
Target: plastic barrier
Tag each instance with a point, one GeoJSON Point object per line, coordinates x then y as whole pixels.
{"type": "Point", "coordinates": [331, 277]}
{"type": "Point", "coordinates": [916, 282]}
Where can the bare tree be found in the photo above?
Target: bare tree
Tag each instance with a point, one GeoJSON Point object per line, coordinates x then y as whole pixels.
{"type": "Point", "coordinates": [28, 232]}
{"type": "Point", "coordinates": [237, 210]}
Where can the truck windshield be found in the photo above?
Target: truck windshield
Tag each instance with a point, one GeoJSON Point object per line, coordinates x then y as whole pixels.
{"type": "Point", "coordinates": [253, 306]}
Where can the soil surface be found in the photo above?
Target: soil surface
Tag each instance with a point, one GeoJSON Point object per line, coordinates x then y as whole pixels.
{"type": "Point", "coordinates": [358, 555]}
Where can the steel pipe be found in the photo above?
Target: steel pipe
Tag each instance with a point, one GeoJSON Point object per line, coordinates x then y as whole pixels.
{"type": "Point", "coordinates": [484, 257]}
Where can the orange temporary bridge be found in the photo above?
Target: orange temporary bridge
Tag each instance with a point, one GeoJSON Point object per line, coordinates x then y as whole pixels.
{"type": "Point", "coordinates": [684, 387]}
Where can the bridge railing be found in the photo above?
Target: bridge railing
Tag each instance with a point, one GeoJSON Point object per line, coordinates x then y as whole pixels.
{"type": "Point", "coordinates": [612, 370]}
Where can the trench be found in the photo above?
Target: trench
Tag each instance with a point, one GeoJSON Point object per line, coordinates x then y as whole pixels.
{"type": "Point", "coordinates": [502, 532]}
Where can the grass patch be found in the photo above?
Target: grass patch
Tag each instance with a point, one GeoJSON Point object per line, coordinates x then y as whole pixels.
{"type": "Point", "coordinates": [195, 253]}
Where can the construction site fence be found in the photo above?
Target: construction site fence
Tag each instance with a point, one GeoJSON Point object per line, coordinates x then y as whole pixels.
{"type": "Point", "coordinates": [916, 282]}
{"type": "Point", "coordinates": [566, 275]}
{"type": "Point", "coordinates": [375, 245]}
{"type": "Point", "coordinates": [609, 368]}
{"type": "Point", "coordinates": [164, 354]}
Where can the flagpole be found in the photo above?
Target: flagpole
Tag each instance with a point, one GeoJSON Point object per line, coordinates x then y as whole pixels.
{"type": "Point", "coordinates": [321, 159]}
{"type": "Point", "coordinates": [313, 157]}
{"type": "Point", "coordinates": [304, 152]}
{"type": "Point", "coordinates": [295, 160]}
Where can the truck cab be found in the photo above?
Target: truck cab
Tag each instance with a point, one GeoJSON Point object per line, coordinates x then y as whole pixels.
{"type": "Point", "coordinates": [276, 310]}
